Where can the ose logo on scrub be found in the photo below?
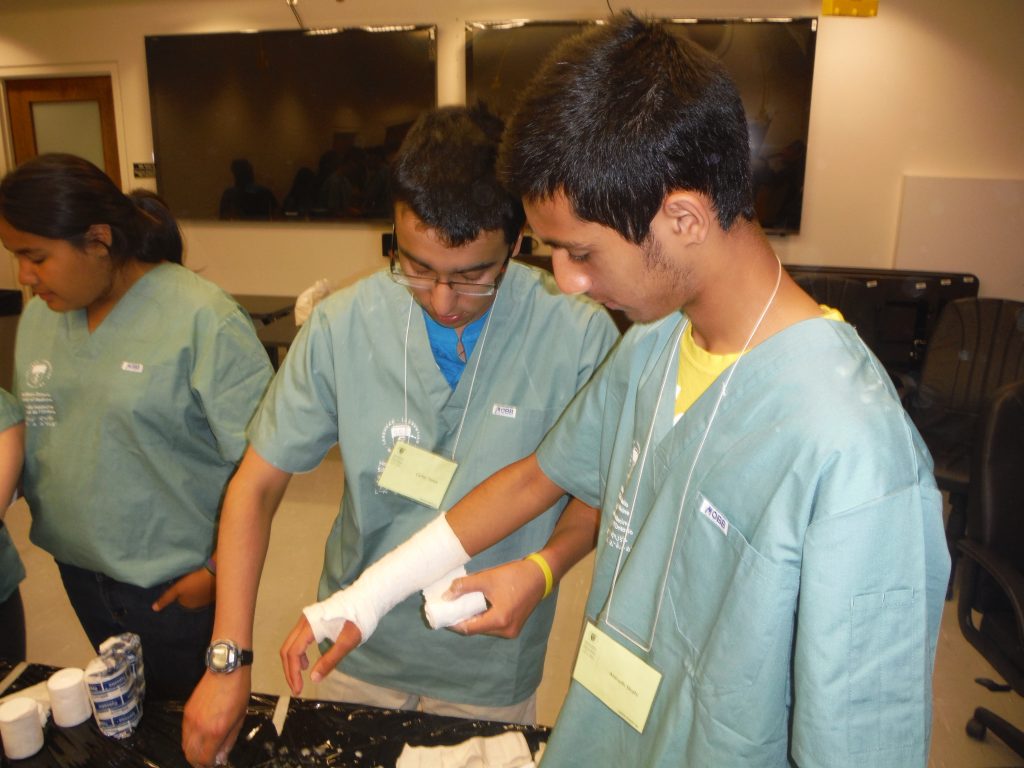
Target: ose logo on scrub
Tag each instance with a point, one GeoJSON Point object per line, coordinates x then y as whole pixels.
{"type": "Point", "coordinates": [397, 430]}
{"type": "Point", "coordinates": [39, 373]}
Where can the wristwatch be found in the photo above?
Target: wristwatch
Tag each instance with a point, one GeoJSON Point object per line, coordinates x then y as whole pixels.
{"type": "Point", "coordinates": [225, 656]}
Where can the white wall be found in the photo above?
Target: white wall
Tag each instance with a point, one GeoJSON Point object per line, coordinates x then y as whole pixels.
{"type": "Point", "coordinates": [928, 88]}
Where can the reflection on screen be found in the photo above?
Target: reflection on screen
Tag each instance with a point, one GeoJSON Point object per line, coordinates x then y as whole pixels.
{"type": "Point", "coordinates": [285, 125]}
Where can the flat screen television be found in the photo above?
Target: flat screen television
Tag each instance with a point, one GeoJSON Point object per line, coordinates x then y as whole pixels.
{"type": "Point", "coordinates": [285, 125]}
{"type": "Point", "coordinates": [771, 60]}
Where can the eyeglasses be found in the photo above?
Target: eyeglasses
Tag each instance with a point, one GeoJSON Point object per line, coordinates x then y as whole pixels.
{"type": "Point", "coordinates": [427, 283]}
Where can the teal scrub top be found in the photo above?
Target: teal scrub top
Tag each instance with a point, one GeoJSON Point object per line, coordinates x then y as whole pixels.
{"type": "Point", "coordinates": [133, 430]}
{"type": "Point", "coordinates": [11, 569]}
{"type": "Point", "coordinates": [786, 579]}
{"type": "Point", "coordinates": [344, 382]}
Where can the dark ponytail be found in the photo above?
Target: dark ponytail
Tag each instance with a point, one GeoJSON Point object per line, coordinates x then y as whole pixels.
{"type": "Point", "coordinates": [61, 196]}
{"type": "Point", "coordinates": [161, 239]}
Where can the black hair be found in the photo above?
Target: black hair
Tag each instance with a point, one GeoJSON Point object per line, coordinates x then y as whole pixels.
{"type": "Point", "coordinates": [620, 116]}
{"type": "Point", "coordinates": [161, 242]}
{"type": "Point", "coordinates": [445, 172]}
{"type": "Point", "coordinates": [61, 196]}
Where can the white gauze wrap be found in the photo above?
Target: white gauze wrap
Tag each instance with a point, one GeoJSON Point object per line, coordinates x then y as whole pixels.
{"type": "Point", "coordinates": [427, 557]}
{"type": "Point", "coordinates": [443, 613]}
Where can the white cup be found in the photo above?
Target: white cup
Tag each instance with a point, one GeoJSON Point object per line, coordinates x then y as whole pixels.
{"type": "Point", "coordinates": [21, 726]}
{"type": "Point", "coordinates": [69, 699]}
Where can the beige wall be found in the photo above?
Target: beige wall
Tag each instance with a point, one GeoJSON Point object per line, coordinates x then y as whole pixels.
{"type": "Point", "coordinates": [928, 88]}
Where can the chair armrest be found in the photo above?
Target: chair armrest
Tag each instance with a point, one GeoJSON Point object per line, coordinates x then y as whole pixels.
{"type": "Point", "coordinates": [1003, 571]}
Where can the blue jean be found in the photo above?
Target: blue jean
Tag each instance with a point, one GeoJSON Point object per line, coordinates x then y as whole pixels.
{"type": "Point", "coordinates": [174, 640]}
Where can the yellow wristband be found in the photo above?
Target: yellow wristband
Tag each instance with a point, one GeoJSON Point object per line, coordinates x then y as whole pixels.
{"type": "Point", "coordinates": [549, 579]}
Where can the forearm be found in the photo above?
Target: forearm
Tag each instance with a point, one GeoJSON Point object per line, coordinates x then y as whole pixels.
{"type": "Point", "coordinates": [503, 503]}
{"type": "Point", "coordinates": [243, 536]}
{"type": "Point", "coordinates": [573, 538]}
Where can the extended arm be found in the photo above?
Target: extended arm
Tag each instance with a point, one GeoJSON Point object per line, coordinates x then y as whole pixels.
{"type": "Point", "coordinates": [214, 713]}
{"type": "Point", "coordinates": [500, 505]}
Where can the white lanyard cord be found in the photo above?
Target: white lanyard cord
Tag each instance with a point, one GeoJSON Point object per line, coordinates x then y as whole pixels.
{"type": "Point", "coordinates": [686, 488]}
{"type": "Point", "coordinates": [636, 492]}
{"type": "Point", "coordinates": [405, 365]}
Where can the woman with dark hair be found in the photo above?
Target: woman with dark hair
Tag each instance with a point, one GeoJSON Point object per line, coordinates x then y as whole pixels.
{"type": "Point", "coordinates": [138, 379]}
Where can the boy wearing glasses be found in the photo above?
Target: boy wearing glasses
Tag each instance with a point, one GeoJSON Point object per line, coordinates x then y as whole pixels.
{"type": "Point", "coordinates": [457, 355]}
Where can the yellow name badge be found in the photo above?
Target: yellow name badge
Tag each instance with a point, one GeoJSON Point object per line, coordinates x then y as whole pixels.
{"type": "Point", "coordinates": [417, 474]}
{"type": "Point", "coordinates": [624, 683]}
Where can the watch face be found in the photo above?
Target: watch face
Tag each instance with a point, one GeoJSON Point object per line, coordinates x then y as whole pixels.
{"type": "Point", "coordinates": [226, 656]}
{"type": "Point", "coordinates": [221, 656]}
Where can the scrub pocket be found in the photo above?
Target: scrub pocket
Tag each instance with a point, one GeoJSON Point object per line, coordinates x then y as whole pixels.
{"type": "Point", "coordinates": [732, 606]}
{"type": "Point", "coordinates": [888, 644]}
{"type": "Point", "coordinates": [506, 438]}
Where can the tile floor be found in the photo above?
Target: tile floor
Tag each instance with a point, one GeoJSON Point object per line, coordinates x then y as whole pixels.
{"type": "Point", "coordinates": [289, 582]}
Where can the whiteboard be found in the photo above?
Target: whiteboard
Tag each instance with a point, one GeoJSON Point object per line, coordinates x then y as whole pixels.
{"type": "Point", "coordinates": [965, 225]}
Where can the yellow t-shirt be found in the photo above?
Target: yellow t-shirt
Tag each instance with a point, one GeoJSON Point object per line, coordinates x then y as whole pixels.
{"type": "Point", "coordinates": [703, 367]}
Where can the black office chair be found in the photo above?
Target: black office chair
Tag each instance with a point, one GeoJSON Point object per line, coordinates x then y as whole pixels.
{"type": "Point", "coordinates": [976, 347]}
{"type": "Point", "coordinates": [992, 571]}
{"type": "Point", "coordinates": [856, 298]}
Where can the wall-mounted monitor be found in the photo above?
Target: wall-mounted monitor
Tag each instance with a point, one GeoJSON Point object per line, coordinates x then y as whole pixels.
{"type": "Point", "coordinates": [285, 125]}
{"type": "Point", "coordinates": [771, 60]}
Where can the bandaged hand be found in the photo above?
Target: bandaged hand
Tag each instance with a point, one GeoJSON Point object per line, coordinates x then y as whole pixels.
{"type": "Point", "coordinates": [426, 558]}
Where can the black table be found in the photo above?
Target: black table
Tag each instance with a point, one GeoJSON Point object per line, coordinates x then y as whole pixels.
{"type": "Point", "coordinates": [315, 733]}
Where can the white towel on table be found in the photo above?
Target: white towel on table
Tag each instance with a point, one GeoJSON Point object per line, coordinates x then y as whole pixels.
{"type": "Point", "coordinates": [506, 750]}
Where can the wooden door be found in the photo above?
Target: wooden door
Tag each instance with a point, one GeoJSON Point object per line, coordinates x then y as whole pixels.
{"type": "Point", "coordinates": [64, 114]}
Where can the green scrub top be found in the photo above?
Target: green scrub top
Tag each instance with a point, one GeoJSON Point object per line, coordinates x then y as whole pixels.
{"type": "Point", "coordinates": [786, 576]}
{"type": "Point", "coordinates": [11, 569]}
{"type": "Point", "coordinates": [133, 430]}
{"type": "Point", "coordinates": [350, 378]}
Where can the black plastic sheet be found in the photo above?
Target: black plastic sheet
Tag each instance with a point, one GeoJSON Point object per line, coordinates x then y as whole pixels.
{"type": "Point", "coordinates": [31, 675]}
{"type": "Point", "coordinates": [316, 733]}
{"type": "Point", "coordinates": [327, 733]}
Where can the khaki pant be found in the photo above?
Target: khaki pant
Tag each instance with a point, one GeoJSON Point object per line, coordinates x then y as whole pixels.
{"type": "Point", "coordinates": [338, 686]}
